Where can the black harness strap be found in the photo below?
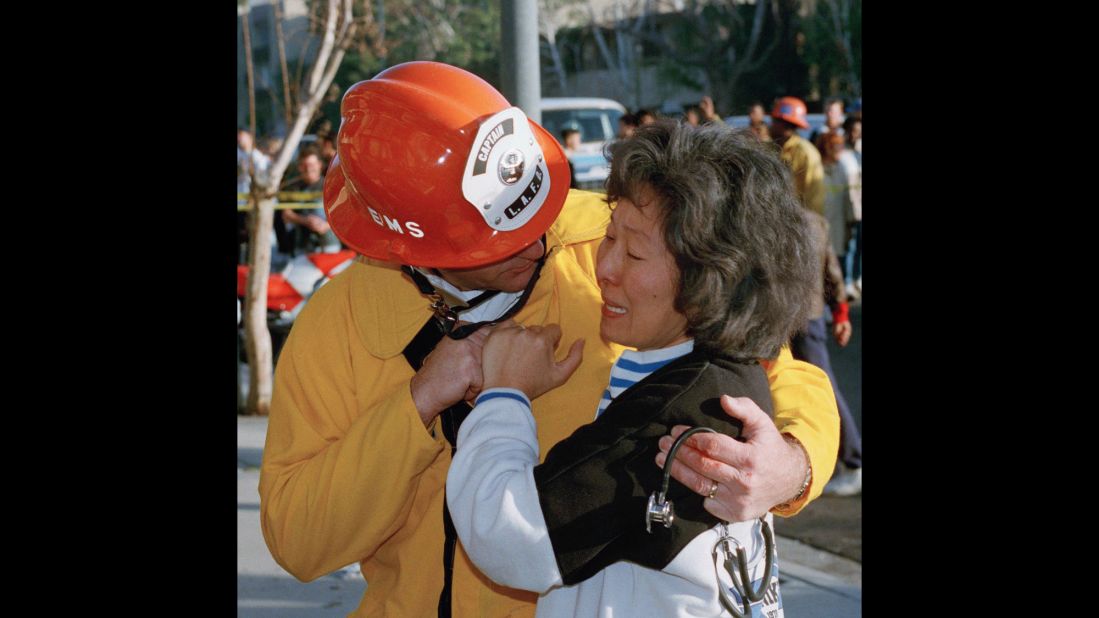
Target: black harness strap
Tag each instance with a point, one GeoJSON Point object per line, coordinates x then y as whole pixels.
{"type": "Point", "coordinates": [449, 420]}
{"type": "Point", "coordinates": [445, 322]}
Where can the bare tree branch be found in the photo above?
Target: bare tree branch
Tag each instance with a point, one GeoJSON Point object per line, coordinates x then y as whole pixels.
{"type": "Point", "coordinates": [248, 69]}
{"type": "Point", "coordinates": [757, 28]}
{"type": "Point", "coordinates": [841, 31]}
{"type": "Point", "coordinates": [280, 40]}
{"type": "Point", "coordinates": [328, 40]}
{"type": "Point", "coordinates": [547, 28]}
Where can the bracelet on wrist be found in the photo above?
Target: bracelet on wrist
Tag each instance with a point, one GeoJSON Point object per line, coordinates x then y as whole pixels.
{"type": "Point", "coordinates": [808, 474]}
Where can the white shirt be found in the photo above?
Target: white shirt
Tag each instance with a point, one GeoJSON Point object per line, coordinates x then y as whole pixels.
{"type": "Point", "coordinates": [488, 310]}
{"type": "Point", "coordinates": [244, 178]}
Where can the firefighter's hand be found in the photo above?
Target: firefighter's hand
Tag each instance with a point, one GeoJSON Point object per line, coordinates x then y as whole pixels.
{"type": "Point", "coordinates": [752, 476]}
{"type": "Point", "coordinates": [523, 358]}
{"type": "Point", "coordinates": [451, 373]}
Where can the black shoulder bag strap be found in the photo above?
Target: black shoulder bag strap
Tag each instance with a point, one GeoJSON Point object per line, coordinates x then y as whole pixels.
{"type": "Point", "coordinates": [449, 420]}
{"type": "Point", "coordinates": [445, 322]}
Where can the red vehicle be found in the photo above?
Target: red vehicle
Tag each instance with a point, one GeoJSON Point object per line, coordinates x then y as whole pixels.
{"type": "Point", "coordinates": [288, 289]}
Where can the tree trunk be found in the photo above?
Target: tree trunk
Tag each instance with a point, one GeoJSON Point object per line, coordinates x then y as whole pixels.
{"type": "Point", "coordinates": [608, 59]}
{"type": "Point", "coordinates": [339, 30]}
{"type": "Point", "coordinates": [558, 66]}
{"type": "Point", "coordinates": [624, 45]}
{"type": "Point", "coordinates": [257, 338]}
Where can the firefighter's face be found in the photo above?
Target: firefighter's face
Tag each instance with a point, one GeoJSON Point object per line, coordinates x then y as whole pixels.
{"type": "Point", "coordinates": [508, 275]}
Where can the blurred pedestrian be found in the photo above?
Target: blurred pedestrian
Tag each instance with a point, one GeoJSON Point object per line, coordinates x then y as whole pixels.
{"type": "Point", "coordinates": [709, 114]}
{"type": "Point", "coordinates": [627, 124]}
{"type": "Point", "coordinates": [326, 145]}
{"type": "Point", "coordinates": [787, 116]}
{"type": "Point", "coordinates": [833, 119]}
{"type": "Point", "coordinates": [839, 196]}
{"type": "Point", "coordinates": [570, 137]}
{"type": "Point", "coordinates": [309, 228]}
{"type": "Point", "coordinates": [856, 112]}
{"type": "Point", "coordinates": [852, 160]}
{"type": "Point", "coordinates": [756, 114]}
{"type": "Point", "coordinates": [693, 116]}
{"type": "Point", "coordinates": [250, 160]}
{"type": "Point", "coordinates": [811, 346]}
{"type": "Point", "coordinates": [270, 145]}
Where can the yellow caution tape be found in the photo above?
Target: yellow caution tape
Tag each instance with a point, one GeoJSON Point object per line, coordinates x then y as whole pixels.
{"type": "Point", "coordinates": [288, 200]}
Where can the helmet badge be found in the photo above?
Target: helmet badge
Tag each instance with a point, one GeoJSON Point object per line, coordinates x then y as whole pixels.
{"type": "Point", "coordinates": [511, 166]}
{"type": "Point", "coordinates": [506, 176]}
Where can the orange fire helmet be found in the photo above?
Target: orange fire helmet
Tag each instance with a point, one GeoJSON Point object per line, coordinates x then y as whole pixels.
{"type": "Point", "coordinates": [792, 110]}
{"type": "Point", "coordinates": [435, 168]}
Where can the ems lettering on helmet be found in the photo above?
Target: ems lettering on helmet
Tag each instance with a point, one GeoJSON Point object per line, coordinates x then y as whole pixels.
{"type": "Point", "coordinates": [506, 179]}
{"type": "Point", "coordinates": [395, 225]}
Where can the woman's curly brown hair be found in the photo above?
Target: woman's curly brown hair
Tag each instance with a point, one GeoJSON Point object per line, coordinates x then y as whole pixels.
{"type": "Point", "coordinates": [733, 222]}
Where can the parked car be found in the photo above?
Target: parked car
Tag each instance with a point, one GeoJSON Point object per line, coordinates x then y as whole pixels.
{"type": "Point", "coordinates": [597, 121]}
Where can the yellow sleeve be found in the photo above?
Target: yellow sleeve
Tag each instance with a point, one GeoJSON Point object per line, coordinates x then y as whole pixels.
{"type": "Point", "coordinates": [795, 160]}
{"type": "Point", "coordinates": [337, 445]}
{"type": "Point", "coordinates": [814, 184]}
{"type": "Point", "coordinates": [805, 408]}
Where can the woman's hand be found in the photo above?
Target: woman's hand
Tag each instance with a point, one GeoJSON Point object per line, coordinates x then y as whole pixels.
{"type": "Point", "coordinates": [523, 358]}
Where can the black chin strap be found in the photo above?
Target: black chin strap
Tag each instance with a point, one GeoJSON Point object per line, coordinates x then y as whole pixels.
{"type": "Point", "coordinates": [447, 316]}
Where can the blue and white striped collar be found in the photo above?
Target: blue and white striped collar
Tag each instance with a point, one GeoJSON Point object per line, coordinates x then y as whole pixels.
{"type": "Point", "coordinates": [634, 366]}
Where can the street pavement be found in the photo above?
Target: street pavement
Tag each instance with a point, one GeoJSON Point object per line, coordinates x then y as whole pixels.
{"type": "Point", "coordinates": [834, 524]}
{"type": "Point", "coordinates": [263, 587]}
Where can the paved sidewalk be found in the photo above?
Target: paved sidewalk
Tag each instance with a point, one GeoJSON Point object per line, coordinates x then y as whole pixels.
{"type": "Point", "coordinates": [263, 587]}
{"type": "Point", "coordinates": [814, 583]}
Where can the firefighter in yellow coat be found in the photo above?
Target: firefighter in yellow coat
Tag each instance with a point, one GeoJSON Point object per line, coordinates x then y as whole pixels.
{"type": "Point", "coordinates": [800, 155]}
{"type": "Point", "coordinates": [461, 209]}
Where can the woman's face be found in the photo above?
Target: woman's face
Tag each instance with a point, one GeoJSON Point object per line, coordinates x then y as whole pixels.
{"type": "Point", "coordinates": [638, 278]}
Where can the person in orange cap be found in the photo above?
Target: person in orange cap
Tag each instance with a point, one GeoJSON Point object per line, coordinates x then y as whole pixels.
{"type": "Point", "coordinates": [787, 116]}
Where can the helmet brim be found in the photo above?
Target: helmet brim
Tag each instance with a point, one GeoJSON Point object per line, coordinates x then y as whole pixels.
{"type": "Point", "coordinates": [797, 122]}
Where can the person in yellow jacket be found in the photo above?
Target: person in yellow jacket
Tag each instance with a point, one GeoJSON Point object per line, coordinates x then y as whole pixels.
{"type": "Point", "coordinates": [461, 209]}
{"type": "Point", "coordinates": [798, 153]}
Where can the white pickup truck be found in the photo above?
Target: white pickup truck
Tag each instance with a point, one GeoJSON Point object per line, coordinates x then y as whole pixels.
{"type": "Point", "coordinates": [597, 121]}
